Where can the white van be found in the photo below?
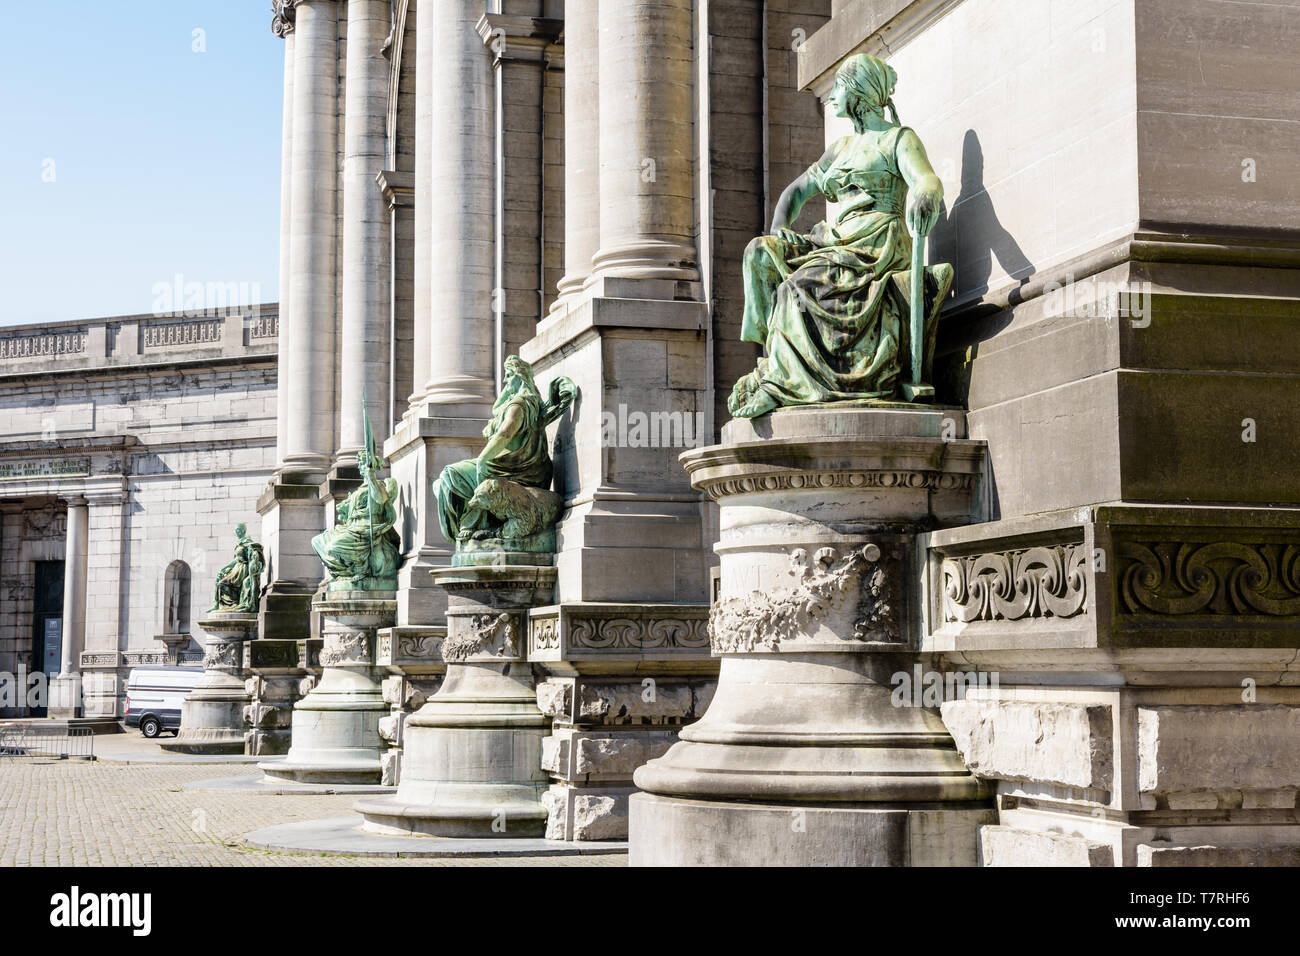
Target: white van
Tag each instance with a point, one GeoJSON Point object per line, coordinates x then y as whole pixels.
{"type": "Point", "coordinates": [154, 696]}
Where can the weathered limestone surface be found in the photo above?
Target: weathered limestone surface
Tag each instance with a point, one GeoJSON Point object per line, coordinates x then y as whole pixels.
{"type": "Point", "coordinates": [1184, 750]}
{"type": "Point", "coordinates": [1007, 846]}
{"type": "Point", "coordinates": [818, 509]}
{"type": "Point", "coordinates": [335, 736]}
{"type": "Point", "coordinates": [212, 716]}
{"type": "Point", "coordinates": [1070, 744]}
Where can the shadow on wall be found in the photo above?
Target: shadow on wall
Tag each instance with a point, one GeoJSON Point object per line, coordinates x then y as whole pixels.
{"type": "Point", "coordinates": [970, 235]}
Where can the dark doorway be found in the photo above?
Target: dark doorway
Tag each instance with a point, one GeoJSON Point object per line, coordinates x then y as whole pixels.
{"type": "Point", "coordinates": [47, 623]}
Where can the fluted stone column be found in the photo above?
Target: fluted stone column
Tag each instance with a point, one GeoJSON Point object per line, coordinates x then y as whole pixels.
{"type": "Point", "coordinates": [365, 327]}
{"type": "Point", "coordinates": [581, 144]}
{"type": "Point", "coordinates": [65, 694]}
{"type": "Point", "coordinates": [647, 210]}
{"type": "Point", "coordinates": [310, 356]}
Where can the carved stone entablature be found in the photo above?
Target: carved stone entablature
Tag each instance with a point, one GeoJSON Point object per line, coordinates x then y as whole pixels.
{"type": "Point", "coordinates": [272, 654]}
{"type": "Point", "coordinates": [1212, 579]}
{"type": "Point", "coordinates": [143, 658]}
{"type": "Point", "coordinates": [193, 332]}
{"type": "Point", "coordinates": [860, 589]}
{"type": "Point", "coordinates": [1048, 581]}
{"type": "Point", "coordinates": [345, 647]}
{"type": "Point", "coordinates": [719, 488]}
{"type": "Point", "coordinates": [42, 344]}
{"type": "Point", "coordinates": [615, 630]}
{"type": "Point", "coordinates": [100, 658]}
{"type": "Point", "coordinates": [478, 634]}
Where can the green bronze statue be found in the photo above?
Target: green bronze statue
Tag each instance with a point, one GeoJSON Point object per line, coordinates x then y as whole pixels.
{"type": "Point", "coordinates": [848, 312]}
{"type": "Point", "coordinates": [501, 502]}
{"type": "Point", "coordinates": [360, 552]}
{"type": "Point", "coordinates": [237, 584]}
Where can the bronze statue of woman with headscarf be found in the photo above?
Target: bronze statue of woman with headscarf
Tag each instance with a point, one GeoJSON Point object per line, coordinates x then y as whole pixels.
{"type": "Point", "coordinates": [832, 308]}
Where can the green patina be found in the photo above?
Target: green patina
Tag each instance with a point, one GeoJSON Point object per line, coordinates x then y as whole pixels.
{"type": "Point", "coordinates": [237, 584]}
{"type": "Point", "coordinates": [360, 552]}
{"type": "Point", "coordinates": [500, 502]}
{"type": "Point", "coordinates": [837, 311]}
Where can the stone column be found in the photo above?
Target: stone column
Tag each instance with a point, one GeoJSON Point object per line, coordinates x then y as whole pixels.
{"type": "Point", "coordinates": [454, 211]}
{"type": "Point", "coordinates": [212, 717]}
{"type": "Point", "coordinates": [336, 726]}
{"type": "Point", "coordinates": [473, 752]}
{"type": "Point", "coordinates": [309, 441]}
{"type": "Point", "coordinates": [365, 320]}
{"type": "Point", "coordinates": [820, 510]}
{"type": "Point", "coordinates": [647, 209]}
{"type": "Point", "coordinates": [282, 26]}
{"type": "Point", "coordinates": [581, 144]}
{"type": "Point", "coordinates": [66, 690]}
{"type": "Point", "coordinates": [291, 507]}
{"type": "Point", "coordinates": [453, 333]}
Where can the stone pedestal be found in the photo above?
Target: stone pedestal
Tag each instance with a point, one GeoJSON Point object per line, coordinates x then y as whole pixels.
{"type": "Point", "coordinates": [276, 671]}
{"type": "Point", "coordinates": [473, 752]}
{"type": "Point", "coordinates": [336, 726]}
{"type": "Point", "coordinates": [805, 756]}
{"type": "Point", "coordinates": [212, 717]}
{"type": "Point", "coordinates": [412, 657]}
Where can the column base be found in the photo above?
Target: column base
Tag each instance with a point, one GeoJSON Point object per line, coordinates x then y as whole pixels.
{"type": "Point", "coordinates": [335, 737]}
{"type": "Point", "coordinates": [212, 716]}
{"type": "Point", "coordinates": [673, 831]}
{"type": "Point", "coordinates": [472, 760]}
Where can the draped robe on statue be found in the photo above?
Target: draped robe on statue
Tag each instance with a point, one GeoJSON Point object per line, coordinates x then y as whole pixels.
{"type": "Point", "coordinates": [831, 308]}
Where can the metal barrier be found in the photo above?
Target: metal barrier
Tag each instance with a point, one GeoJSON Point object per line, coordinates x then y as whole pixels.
{"type": "Point", "coordinates": [47, 740]}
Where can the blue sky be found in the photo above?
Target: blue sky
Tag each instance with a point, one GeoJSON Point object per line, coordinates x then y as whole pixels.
{"type": "Point", "coordinates": [164, 161]}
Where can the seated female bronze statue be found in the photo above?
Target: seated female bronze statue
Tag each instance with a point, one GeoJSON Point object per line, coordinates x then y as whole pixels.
{"type": "Point", "coordinates": [832, 308]}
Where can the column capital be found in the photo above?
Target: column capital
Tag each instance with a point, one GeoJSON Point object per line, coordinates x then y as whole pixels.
{"type": "Point", "coordinates": [75, 500]}
{"type": "Point", "coordinates": [282, 17]}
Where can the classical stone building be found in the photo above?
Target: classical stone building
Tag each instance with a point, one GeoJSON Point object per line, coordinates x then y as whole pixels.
{"type": "Point", "coordinates": [1097, 524]}
{"type": "Point", "coordinates": [130, 447]}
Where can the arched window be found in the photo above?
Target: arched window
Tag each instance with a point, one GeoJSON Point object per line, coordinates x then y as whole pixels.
{"type": "Point", "coordinates": [176, 598]}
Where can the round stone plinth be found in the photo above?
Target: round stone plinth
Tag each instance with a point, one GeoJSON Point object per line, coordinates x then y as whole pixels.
{"type": "Point", "coordinates": [212, 715]}
{"type": "Point", "coordinates": [472, 758]}
{"type": "Point", "coordinates": [805, 756]}
{"type": "Point", "coordinates": [345, 837]}
{"type": "Point", "coordinates": [335, 734]}
{"type": "Point", "coordinates": [672, 831]}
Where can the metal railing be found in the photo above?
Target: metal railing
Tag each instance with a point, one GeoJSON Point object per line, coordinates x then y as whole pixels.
{"type": "Point", "coordinates": [58, 741]}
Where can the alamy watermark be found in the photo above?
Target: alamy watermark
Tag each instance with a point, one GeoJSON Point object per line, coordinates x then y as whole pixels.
{"type": "Point", "coordinates": [922, 688]}
{"type": "Point", "coordinates": [179, 297]}
{"type": "Point", "coordinates": [633, 428]}
{"type": "Point", "coordinates": [1098, 298]}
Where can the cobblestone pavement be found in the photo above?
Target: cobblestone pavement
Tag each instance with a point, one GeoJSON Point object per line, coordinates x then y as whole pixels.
{"type": "Point", "coordinates": [79, 813]}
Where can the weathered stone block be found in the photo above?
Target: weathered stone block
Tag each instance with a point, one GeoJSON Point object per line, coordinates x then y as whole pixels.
{"type": "Point", "coordinates": [1205, 749]}
{"type": "Point", "coordinates": [1009, 846]}
{"type": "Point", "coordinates": [1060, 743]}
